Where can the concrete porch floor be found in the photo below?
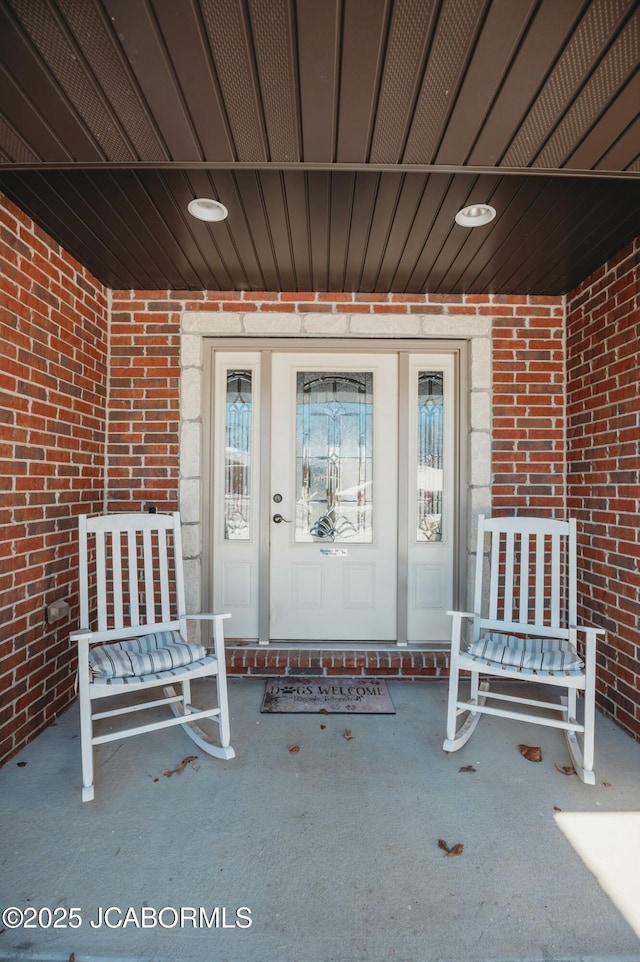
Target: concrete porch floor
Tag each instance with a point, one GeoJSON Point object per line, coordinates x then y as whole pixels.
{"type": "Point", "coordinates": [333, 849]}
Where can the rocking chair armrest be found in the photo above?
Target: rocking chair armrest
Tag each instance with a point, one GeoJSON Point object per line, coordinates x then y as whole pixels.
{"type": "Point", "coordinates": [218, 633]}
{"type": "Point", "coordinates": [456, 632]}
{"type": "Point", "coordinates": [590, 638]}
{"type": "Point", "coordinates": [80, 635]}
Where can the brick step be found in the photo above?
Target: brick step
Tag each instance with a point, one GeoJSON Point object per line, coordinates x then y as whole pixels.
{"type": "Point", "coordinates": [406, 663]}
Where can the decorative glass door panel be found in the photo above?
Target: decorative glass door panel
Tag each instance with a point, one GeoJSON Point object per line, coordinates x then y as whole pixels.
{"type": "Point", "coordinates": [237, 467]}
{"type": "Point", "coordinates": [334, 457]}
{"type": "Point", "coordinates": [430, 411]}
{"type": "Point", "coordinates": [236, 480]}
{"type": "Point", "coordinates": [333, 551]}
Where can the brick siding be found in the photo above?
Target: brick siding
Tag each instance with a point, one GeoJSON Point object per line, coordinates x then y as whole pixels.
{"type": "Point", "coordinates": [52, 402]}
{"type": "Point", "coordinates": [144, 402]}
{"type": "Point", "coordinates": [603, 418]}
{"type": "Point", "coordinates": [401, 663]}
{"type": "Point", "coordinates": [528, 432]}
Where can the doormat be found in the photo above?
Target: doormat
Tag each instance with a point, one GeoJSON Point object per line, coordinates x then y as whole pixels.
{"type": "Point", "coordinates": [329, 696]}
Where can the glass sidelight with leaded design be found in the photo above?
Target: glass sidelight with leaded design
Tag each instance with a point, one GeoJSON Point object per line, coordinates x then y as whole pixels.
{"type": "Point", "coordinates": [430, 456]}
{"type": "Point", "coordinates": [237, 458]}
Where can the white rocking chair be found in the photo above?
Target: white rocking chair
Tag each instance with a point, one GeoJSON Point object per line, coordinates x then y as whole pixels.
{"type": "Point", "coordinates": [526, 631]}
{"type": "Point", "coordinates": [131, 565]}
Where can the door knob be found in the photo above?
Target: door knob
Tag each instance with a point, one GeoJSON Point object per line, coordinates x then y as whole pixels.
{"type": "Point", "coordinates": [278, 519]}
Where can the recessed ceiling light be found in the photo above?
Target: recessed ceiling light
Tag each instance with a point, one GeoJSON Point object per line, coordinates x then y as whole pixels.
{"type": "Point", "coordinates": [204, 208]}
{"type": "Point", "coordinates": [475, 215]}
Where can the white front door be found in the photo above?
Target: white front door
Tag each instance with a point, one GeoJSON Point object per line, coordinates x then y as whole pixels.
{"type": "Point", "coordinates": [335, 514]}
{"type": "Point", "coordinates": [334, 497]}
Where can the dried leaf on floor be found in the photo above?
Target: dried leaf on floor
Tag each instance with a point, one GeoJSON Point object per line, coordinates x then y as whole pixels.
{"type": "Point", "coordinates": [557, 808]}
{"type": "Point", "coordinates": [467, 768]}
{"type": "Point", "coordinates": [454, 850]}
{"type": "Point", "coordinates": [21, 764]}
{"type": "Point", "coordinates": [348, 735]}
{"type": "Point", "coordinates": [294, 748]}
{"type": "Point", "coordinates": [533, 753]}
{"type": "Point", "coordinates": [566, 769]}
{"type": "Point", "coordinates": [189, 760]}
{"type": "Point", "coordinates": [607, 784]}
{"type": "Point", "coordinates": [322, 727]}
{"type": "Point", "coordinates": [324, 711]}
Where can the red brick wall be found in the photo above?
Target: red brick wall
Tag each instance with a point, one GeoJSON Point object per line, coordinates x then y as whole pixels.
{"type": "Point", "coordinates": [144, 402]}
{"type": "Point", "coordinates": [603, 416]}
{"type": "Point", "coordinates": [52, 403]}
{"type": "Point", "coordinates": [528, 438]}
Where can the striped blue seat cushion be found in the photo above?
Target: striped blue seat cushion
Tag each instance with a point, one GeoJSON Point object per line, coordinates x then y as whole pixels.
{"type": "Point", "coordinates": [532, 654]}
{"type": "Point", "coordinates": [162, 651]}
{"type": "Point", "coordinates": [208, 665]}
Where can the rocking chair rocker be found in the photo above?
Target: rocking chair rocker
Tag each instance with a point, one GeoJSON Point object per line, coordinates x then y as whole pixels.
{"type": "Point", "coordinates": [526, 632]}
{"type": "Point", "coordinates": [131, 564]}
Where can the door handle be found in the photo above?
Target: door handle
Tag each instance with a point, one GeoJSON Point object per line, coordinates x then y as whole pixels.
{"type": "Point", "coordinates": [278, 519]}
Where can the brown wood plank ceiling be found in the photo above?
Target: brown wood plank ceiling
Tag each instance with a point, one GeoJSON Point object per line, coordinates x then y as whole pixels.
{"type": "Point", "coordinates": [342, 136]}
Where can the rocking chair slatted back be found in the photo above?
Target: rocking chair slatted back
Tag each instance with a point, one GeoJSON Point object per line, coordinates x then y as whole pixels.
{"type": "Point", "coordinates": [532, 579]}
{"type": "Point", "coordinates": [138, 572]}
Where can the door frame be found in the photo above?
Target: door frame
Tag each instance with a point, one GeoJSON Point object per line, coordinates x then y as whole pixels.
{"type": "Point", "coordinates": [266, 347]}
